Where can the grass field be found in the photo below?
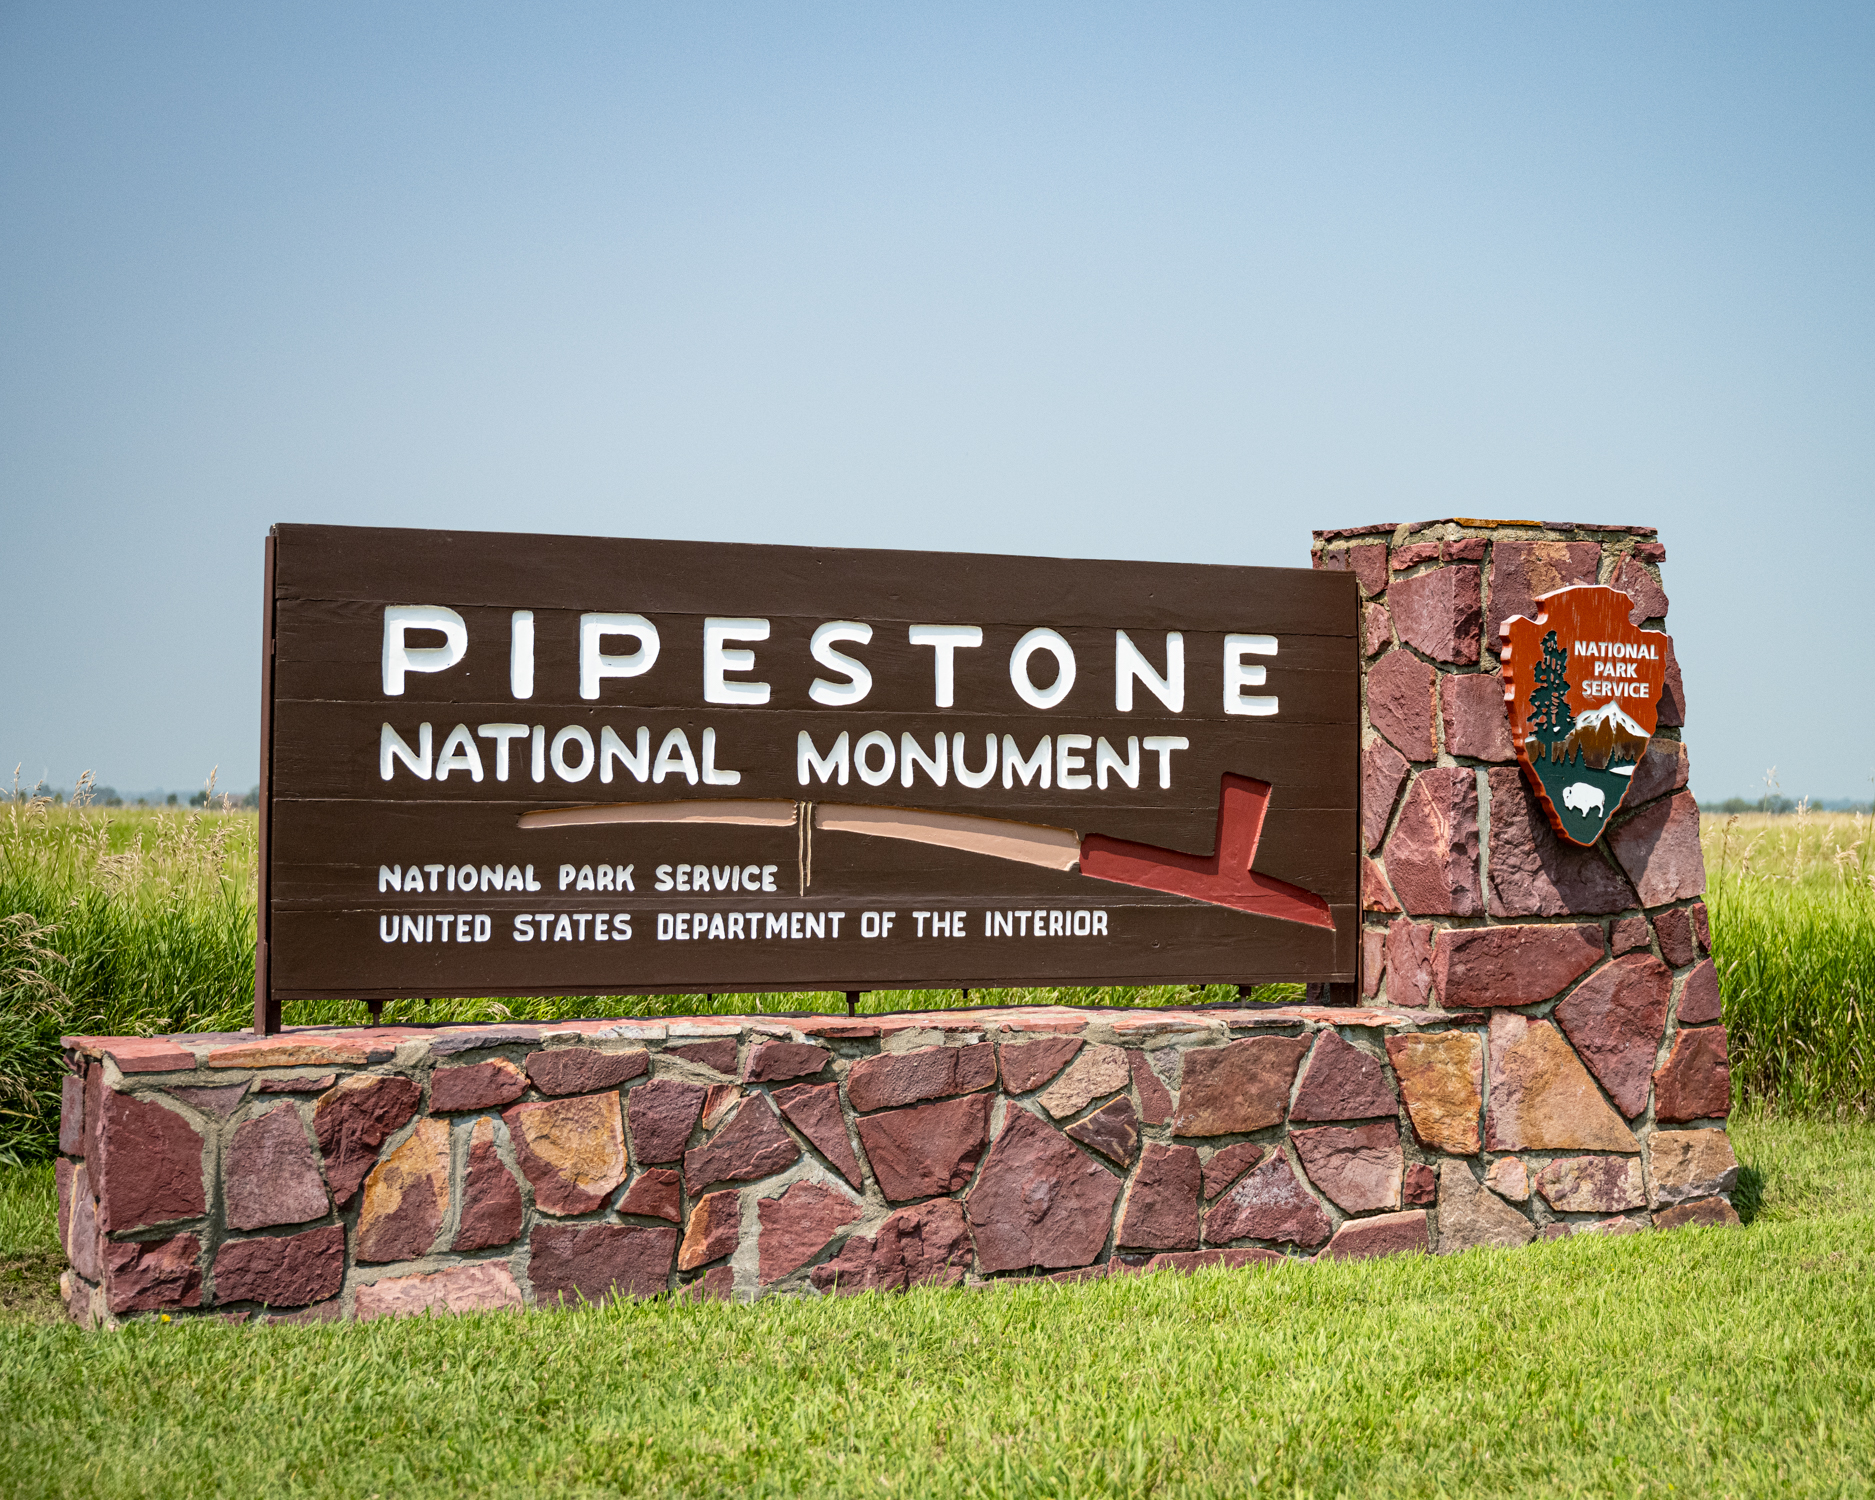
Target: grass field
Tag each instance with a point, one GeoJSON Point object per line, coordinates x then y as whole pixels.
{"type": "Point", "coordinates": [1705, 1362]}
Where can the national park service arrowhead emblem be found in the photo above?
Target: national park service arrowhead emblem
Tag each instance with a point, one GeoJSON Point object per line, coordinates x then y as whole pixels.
{"type": "Point", "coordinates": [1583, 684]}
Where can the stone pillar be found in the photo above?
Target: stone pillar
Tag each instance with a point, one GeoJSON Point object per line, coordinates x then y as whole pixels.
{"type": "Point", "coordinates": [1470, 901]}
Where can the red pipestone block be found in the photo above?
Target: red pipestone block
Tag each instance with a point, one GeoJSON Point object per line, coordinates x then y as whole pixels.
{"type": "Point", "coordinates": [284, 1271]}
{"type": "Point", "coordinates": [1672, 694]}
{"type": "Point", "coordinates": [72, 1114]}
{"type": "Point", "coordinates": [1373, 960]}
{"type": "Point", "coordinates": [483, 1085]}
{"type": "Point", "coordinates": [715, 1226]}
{"type": "Point", "coordinates": [661, 1114]}
{"type": "Point", "coordinates": [1226, 1166]}
{"type": "Point", "coordinates": [751, 1146]}
{"type": "Point", "coordinates": [657, 1194]}
{"type": "Point", "coordinates": [1477, 723]}
{"type": "Point", "coordinates": [933, 1148]}
{"type": "Point", "coordinates": [1440, 613]}
{"type": "Point", "coordinates": [1615, 1019]}
{"type": "Point", "coordinates": [1342, 1082]}
{"type": "Point", "coordinates": [354, 1120]}
{"type": "Point", "coordinates": [584, 1070]}
{"type": "Point", "coordinates": [1664, 768]}
{"type": "Point", "coordinates": [1029, 1065]}
{"type": "Point", "coordinates": [1521, 571]}
{"type": "Point", "coordinates": [1161, 1208]}
{"type": "Point", "coordinates": [491, 1198]}
{"type": "Point", "coordinates": [149, 1170]}
{"type": "Point", "coordinates": [1536, 874]}
{"type": "Point", "coordinates": [1412, 555]}
{"type": "Point", "coordinates": [1187, 1261]}
{"type": "Point", "coordinates": [774, 1062]}
{"type": "Point", "coordinates": [1375, 897]}
{"type": "Point", "coordinates": [893, 1079]}
{"type": "Point", "coordinates": [1485, 966]}
{"type": "Point", "coordinates": [269, 1176]}
{"type": "Point", "coordinates": [219, 1101]}
{"type": "Point", "coordinates": [1674, 927]}
{"type": "Point", "coordinates": [798, 1225]}
{"type": "Point", "coordinates": [1702, 928]}
{"type": "Point", "coordinates": [62, 1171]}
{"type": "Point", "coordinates": [1695, 1082]}
{"type": "Point", "coordinates": [1357, 1167]}
{"type": "Point", "coordinates": [1237, 1088]}
{"type": "Point", "coordinates": [1432, 856]}
{"type": "Point", "coordinates": [1711, 1212]}
{"type": "Point", "coordinates": [1630, 935]}
{"type": "Point", "coordinates": [1269, 1204]}
{"type": "Point", "coordinates": [1038, 1201]}
{"type": "Point", "coordinates": [1400, 702]}
{"type": "Point", "coordinates": [591, 1262]}
{"type": "Point", "coordinates": [1409, 964]}
{"type": "Point", "coordinates": [1421, 1185]}
{"type": "Point", "coordinates": [1383, 773]}
{"type": "Point", "coordinates": [1634, 580]}
{"type": "Point", "coordinates": [83, 1239]}
{"type": "Point", "coordinates": [1376, 629]}
{"type": "Point", "coordinates": [814, 1110]}
{"type": "Point", "coordinates": [153, 1275]}
{"type": "Point", "coordinates": [1659, 848]}
{"type": "Point", "coordinates": [1387, 1234]}
{"type": "Point", "coordinates": [1155, 1100]}
{"type": "Point", "coordinates": [1465, 549]}
{"type": "Point", "coordinates": [1112, 1130]}
{"type": "Point", "coordinates": [719, 1056]}
{"type": "Point", "coordinates": [1367, 561]}
{"type": "Point", "coordinates": [1699, 997]}
{"type": "Point", "coordinates": [928, 1244]}
{"type": "Point", "coordinates": [572, 1151]}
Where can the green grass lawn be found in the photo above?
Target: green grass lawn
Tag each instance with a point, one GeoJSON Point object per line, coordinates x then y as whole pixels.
{"type": "Point", "coordinates": [1706, 1362]}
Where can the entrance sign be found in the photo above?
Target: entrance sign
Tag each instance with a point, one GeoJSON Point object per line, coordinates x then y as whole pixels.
{"type": "Point", "coordinates": [1583, 684]}
{"type": "Point", "coordinates": [505, 764]}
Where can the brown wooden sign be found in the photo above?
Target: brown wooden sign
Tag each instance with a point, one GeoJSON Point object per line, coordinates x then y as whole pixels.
{"type": "Point", "coordinates": [1583, 683]}
{"type": "Point", "coordinates": [503, 764]}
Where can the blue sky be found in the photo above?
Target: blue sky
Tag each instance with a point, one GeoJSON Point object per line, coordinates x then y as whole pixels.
{"type": "Point", "coordinates": [1176, 282]}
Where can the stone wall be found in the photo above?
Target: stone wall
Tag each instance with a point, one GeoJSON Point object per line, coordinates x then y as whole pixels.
{"type": "Point", "coordinates": [1537, 1053]}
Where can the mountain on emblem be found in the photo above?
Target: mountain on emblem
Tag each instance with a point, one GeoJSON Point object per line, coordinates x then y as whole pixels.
{"type": "Point", "coordinates": [1583, 684]}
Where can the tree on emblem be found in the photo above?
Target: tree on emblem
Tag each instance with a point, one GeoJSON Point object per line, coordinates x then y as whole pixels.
{"type": "Point", "coordinates": [1549, 697]}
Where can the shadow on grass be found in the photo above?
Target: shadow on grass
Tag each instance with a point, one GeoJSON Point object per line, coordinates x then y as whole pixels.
{"type": "Point", "coordinates": [1748, 1196]}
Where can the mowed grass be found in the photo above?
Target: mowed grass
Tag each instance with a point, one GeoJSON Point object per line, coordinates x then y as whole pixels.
{"type": "Point", "coordinates": [1704, 1362]}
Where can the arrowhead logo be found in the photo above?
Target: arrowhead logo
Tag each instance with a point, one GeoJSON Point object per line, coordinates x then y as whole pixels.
{"type": "Point", "coordinates": [1583, 685]}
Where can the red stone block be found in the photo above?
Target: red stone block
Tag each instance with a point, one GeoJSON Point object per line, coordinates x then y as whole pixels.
{"type": "Point", "coordinates": [933, 1148]}
{"type": "Point", "coordinates": [153, 1275]}
{"type": "Point", "coordinates": [84, 1240]}
{"type": "Point", "coordinates": [297, 1083]}
{"type": "Point", "coordinates": [1659, 848]}
{"type": "Point", "coordinates": [1187, 1261]}
{"type": "Point", "coordinates": [479, 1287]}
{"type": "Point", "coordinates": [491, 1198]}
{"type": "Point", "coordinates": [1485, 966]}
{"type": "Point", "coordinates": [1029, 1065]}
{"type": "Point", "coordinates": [284, 1271]}
{"type": "Point", "coordinates": [406, 1197]}
{"type": "Point", "coordinates": [1441, 1075]}
{"type": "Point", "coordinates": [1375, 897]}
{"type": "Point", "coordinates": [584, 1070]}
{"type": "Point", "coordinates": [1702, 928]}
{"type": "Point", "coordinates": [1227, 1165]}
{"type": "Point", "coordinates": [1342, 1082]}
{"type": "Point", "coordinates": [1440, 613]}
{"type": "Point", "coordinates": [925, 1245]}
{"type": "Point", "coordinates": [1536, 874]}
{"type": "Point", "coordinates": [483, 1085]}
{"type": "Point", "coordinates": [1432, 854]}
{"type": "Point", "coordinates": [1237, 1088]}
{"type": "Point", "coordinates": [1672, 694]}
{"type": "Point", "coordinates": [1112, 1130]}
{"type": "Point", "coordinates": [569, 1263]}
{"type": "Point", "coordinates": [1664, 768]}
{"type": "Point", "coordinates": [1675, 929]}
{"type": "Point", "coordinates": [220, 1101]}
{"type": "Point", "coordinates": [1465, 549]}
{"type": "Point", "coordinates": [1387, 1234]}
{"type": "Point", "coordinates": [719, 1056]}
{"type": "Point", "coordinates": [1358, 1168]}
{"type": "Point", "coordinates": [714, 1228]}
{"type": "Point", "coordinates": [1155, 1100]}
{"type": "Point", "coordinates": [72, 1114]}
{"type": "Point", "coordinates": [1630, 935]}
{"type": "Point", "coordinates": [1477, 723]}
{"type": "Point", "coordinates": [1699, 996]}
{"type": "Point", "coordinates": [1695, 1082]}
{"type": "Point", "coordinates": [1383, 773]}
{"type": "Point", "coordinates": [1640, 585]}
{"type": "Point", "coordinates": [893, 1079]}
{"type": "Point", "coordinates": [661, 1114]}
{"type": "Point", "coordinates": [1400, 702]}
{"type": "Point", "coordinates": [1592, 1184]}
{"type": "Point", "coordinates": [571, 1150]}
{"type": "Point", "coordinates": [1542, 1098]}
{"type": "Point", "coordinates": [657, 1194]}
{"type": "Point", "coordinates": [798, 1225]}
{"type": "Point", "coordinates": [1367, 561]}
{"type": "Point", "coordinates": [1409, 964]}
{"type": "Point", "coordinates": [1412, 555]}
{"type": "Point", "coordinates": [1376, 629]}
{"type": "Point", "coordinates": [269, 1176]}
{"type": "Point", "coordinates": [354, 1120]}
{"type": "Point", "coordinates": [1269, 1204]}
{"type": "Point", "coordinates": [1038, 1201]}
{"type": "Point", "coordinates": [1161, 1207]}
{"type": "Point", "coordinates": [1615, 1019]}
{"type": "Point", "coordinates": [150, 1168]}
{"type": "Point", "coordinates": [814, 1110]}
{"type": "Point", "coordinates": [1521, 571]}
{"type": "Point", "coordinates": [1373, 960]}
{"type": "Point", "coordinates": [62, 1171]}
{"type": "Point", "coordinates": [1421, 1184]}
{"type": "Point", "coordinates": [775, 1062]}
{"type": "Point", "coordinates": [753, 1145]}
{"type": "Point", "coordinates": [1711, 1212]}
